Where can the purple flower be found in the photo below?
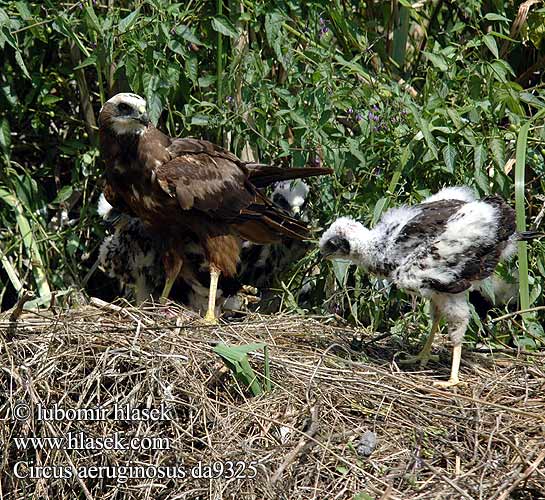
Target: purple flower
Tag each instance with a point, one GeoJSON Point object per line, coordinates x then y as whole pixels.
{"type": "Point", "coordinates": [375, 108]}
{"type": "Point", "coordinates": [403, 111]}
{"type": "Point", "coordinates": [321, 21]}
{"type": "Point", "coordinates": [80, 5]}
{"type": "Point", "coordinates": [359, 117]}
{"type": "Point", "coordinates": [229, 99]}
{"type": "Point", "coordinates": [317, 161]}
{"type": "Point", "coordinates": [349, 111]}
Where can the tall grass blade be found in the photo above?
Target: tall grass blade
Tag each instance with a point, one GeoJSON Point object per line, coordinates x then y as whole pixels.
{"type": "Point", "coordinates": [30, 244]}
{"type": "Point", "coordinates": [11, 272]}
{"type": "Point", "coordinates": [401, 33]}
{"type": "Point", "coordinates": [520, 166]}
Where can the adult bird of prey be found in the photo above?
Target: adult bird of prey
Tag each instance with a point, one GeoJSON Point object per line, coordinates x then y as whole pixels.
{"type": "Point", "coordinates": [130, 254]}
{"type": "Point", "coordinates": [176, 185]}
{"type": "Point", "coordinates": [438, 249]}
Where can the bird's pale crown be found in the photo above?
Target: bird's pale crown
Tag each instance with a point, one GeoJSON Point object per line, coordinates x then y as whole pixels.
{"type": "Point", "coordinates": [133, 100]}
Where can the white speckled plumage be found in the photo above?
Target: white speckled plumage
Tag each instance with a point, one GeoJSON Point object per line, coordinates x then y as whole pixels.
{"type": "Point", "coordinates": [437, 249]}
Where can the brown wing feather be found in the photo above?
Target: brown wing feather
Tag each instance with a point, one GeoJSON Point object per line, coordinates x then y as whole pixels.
{"type": "Point", "coordinates": [208, 178]}
{"type": "Point", "coordinates": [430, 221]}
{"type": "Point", "coordinates": [211, 184]}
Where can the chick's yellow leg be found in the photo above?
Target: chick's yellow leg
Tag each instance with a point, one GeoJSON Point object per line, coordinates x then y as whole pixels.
{"type": "Point", "coordinates": [425, 354]}
{"type": "Point", "coordinates": [455, 368]}
{"type": "Point", "coordinates": [211, 313]}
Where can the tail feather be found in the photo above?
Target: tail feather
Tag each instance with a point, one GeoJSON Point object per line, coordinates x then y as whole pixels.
{"type": "Point", "coordinates": [265, 175]}
{"type": "Point", "coordinates": [529, 235]}
{"type": "Point", "coordinates": [278, 223]}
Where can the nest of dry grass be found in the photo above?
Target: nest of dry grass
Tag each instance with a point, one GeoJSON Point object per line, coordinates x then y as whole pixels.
{"type": "Point", "coordinates": [483, 440]}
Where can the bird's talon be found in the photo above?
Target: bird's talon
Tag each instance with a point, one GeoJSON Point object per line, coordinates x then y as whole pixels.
{"type": "Point", "coordinates": [210, 319]}
{"type": "Point", "coordinates": [249, 289]}
{"type": "Point", "coordinates": [445, 384]}
{"type": "Point", "coordinates": [422, 359]}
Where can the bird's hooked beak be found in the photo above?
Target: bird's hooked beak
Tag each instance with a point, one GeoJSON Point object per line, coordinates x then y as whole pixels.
{"type": "Point", "coordinates": [143, 116]}
{"type": "Point", "coordinates": [335, 247]}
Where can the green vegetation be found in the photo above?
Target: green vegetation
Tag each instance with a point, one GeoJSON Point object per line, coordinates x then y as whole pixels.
{"type": "Point", "coordinates": [399, 98]}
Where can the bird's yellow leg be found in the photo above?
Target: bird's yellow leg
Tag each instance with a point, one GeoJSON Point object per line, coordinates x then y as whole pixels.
{"type": "Point", "coordinates": [453, 380]}
{"type": "Point", "coordinates": [211, 313]}
{"type": "Point", "coordinates": [167, 288]}
{"type": "Point", "coordinates": [425, 354]}
{"type": "Point", "coordinates": [173, 266]}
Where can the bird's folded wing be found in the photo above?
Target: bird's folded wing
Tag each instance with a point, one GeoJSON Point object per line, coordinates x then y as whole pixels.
{"type": "Point", "coordinates": [457, 246]}
{"type": "Point", "coordinates": [429, 222]}
{"type": "Point", "coordinates": [212, 184]}
{"type": "Point", "coordinates": [185, 146]}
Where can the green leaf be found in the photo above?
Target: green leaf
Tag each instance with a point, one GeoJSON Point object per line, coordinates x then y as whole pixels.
{"type": "Point", "coordinates": [490, 42]}
{"type": "Point", "coordinates": [535, 328]}
{"type": "Point", "coordinates": [51, 99]}
{"type": "Point", "coordinates": [437, 60]}
{"type": "Point", "coordinates": [379, 208]}
{"type": "Point", "coordinates": [532, 100]}
{"type": "Point", "coordinates": [340, 269]}
{"type": "Point", "coordinates": [449, 155]}
{"type": "Point", "coordinates": [127, 22]}
{"type": "Point", "coordinates": [199, 120]}
{"type": "Point", "coordinates": [236, 358]}
{"type": "Point", "coordinates": [94, 23]}
{"type": "Point", "coordinates": [187, 34]}
{"type": "Point", "coordinates": [428, 137]}
{"type": "Point", "coordinates": [492, 16]}
{"type": "Point", "coordinates": [479, 157]}
{"type": "Point", "coordinates": [497, 147]}
{"type": "Point", "coordinates": [64, 193]}
{"type": "Point", "coordinates": [275, 36]}
{"type": "Point", "coordinates": [5, 136]}
{"type": "Point", "coordinates": [192, 69]}
{"type": "Point", "coordinates": [206, 81]}
{"type": "Point", "coordinates": [90, 61]}
{"type": "Point", "coordinates": [222, 25]}
{"type": "Point", "coordinates": [21, 63]}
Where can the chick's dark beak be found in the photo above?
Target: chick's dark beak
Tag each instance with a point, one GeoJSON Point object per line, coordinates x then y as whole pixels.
{"type": "Point", "coordinates": [143, 118]}
{"type": "Point", "coordinates": [336, 245]}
